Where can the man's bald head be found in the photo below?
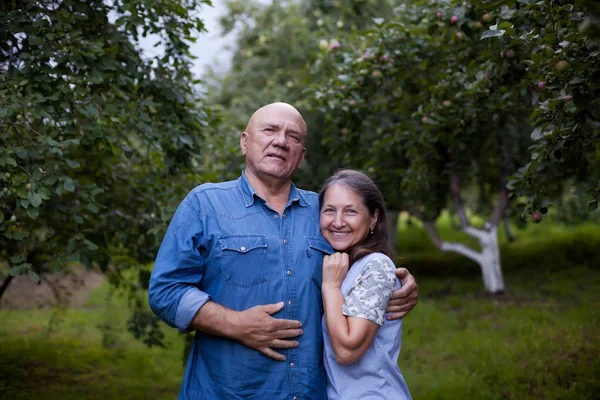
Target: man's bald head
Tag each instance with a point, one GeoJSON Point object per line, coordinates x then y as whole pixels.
{"type": "Point", "coordinates": [273, 144]}
{"type": "Point", "coordinates": [278, 108]}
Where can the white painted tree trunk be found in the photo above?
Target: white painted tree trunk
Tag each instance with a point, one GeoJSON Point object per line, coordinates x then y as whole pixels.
{"type": "Point", "coordinates": [488, 259]}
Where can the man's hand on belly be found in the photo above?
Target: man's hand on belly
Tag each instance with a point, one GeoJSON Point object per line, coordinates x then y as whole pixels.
{"type": "Point", "coordinates": [255, 328]}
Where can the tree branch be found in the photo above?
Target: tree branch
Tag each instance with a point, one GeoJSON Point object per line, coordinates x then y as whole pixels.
{"type": "Point", "coordinates": [458, 201]}
{"type": "Point", "coordinates": [462, 249]}
{"type": "Point", "coordinates": [509, 233]}
{"type": "Point", "coordinates": [500, 208]}
{"type": "Point", "coordinates": [449, 246]}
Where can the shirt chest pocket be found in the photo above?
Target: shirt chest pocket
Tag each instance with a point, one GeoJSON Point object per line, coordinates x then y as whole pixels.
{"type": "Point", "coordinates": [243, 259]}
{"type": "Point", "coordinates": [317, 249]}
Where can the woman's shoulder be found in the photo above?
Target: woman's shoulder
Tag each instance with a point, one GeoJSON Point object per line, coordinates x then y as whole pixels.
{"type": "Point", "coordinates": [379, 261]}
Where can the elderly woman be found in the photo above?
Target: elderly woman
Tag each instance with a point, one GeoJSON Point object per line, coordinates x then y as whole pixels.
{"type": "Point", "coordinates": [361, 346]}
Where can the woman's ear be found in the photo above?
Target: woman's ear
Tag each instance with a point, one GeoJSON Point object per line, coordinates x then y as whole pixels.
{"type": "Point", "coordinates": [374, 219]}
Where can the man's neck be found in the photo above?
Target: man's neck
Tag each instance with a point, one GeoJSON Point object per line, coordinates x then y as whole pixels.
{"type": "Point", "coordinates": [275, 192]}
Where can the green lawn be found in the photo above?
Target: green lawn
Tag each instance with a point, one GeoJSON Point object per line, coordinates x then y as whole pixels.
{"type": "Point", "coordinates": [540, 340]}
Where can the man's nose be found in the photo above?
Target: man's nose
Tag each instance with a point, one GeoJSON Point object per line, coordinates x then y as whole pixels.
{"type": "Point", "coordinates": [281, 140]}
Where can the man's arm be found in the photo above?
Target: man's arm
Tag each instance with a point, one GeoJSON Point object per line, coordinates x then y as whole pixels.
{"type": "Point", "coordinates": [176, 297]}
{"type": "Point", "coordinates": [404, 299]}
{"type": "Point", "coordinates": [254, 327]}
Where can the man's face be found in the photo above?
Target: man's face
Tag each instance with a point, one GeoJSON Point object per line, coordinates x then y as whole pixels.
{"type": "Point", "coordinates": [274, 142]}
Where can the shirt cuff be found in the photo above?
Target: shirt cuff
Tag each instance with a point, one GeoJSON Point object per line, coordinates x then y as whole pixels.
{"type": "Point", "coordinates": [189, 305]}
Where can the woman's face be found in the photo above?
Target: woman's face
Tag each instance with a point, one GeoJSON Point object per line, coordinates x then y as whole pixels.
{"type": "Point", "coordinates": [345, 220]}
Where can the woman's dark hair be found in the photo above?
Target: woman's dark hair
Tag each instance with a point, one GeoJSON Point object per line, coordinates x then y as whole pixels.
{"type": "Point", "coordinates": [373, 199]}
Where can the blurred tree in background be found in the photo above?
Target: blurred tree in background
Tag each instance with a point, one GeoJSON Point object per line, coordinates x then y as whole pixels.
{"type": "Point", "coordinates": [489, 107]}
{"type": "Point", "coordinates": [98, 142]}
{"type": "Point", "coordinates": [435, 114]}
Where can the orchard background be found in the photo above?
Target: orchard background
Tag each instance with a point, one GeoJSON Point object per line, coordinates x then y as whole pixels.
{"type": "Point", "coordinates": [479, 120]}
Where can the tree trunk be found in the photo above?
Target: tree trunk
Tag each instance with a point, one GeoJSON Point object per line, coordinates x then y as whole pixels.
{"type": "Point", "coordinates": [507, 229]}
{"type": "Point", "coordinates": [5, 284]}
{"type": "Point", "coordinates": [490, 261]}
{"type": "Point", "coordinates": [392, 225]}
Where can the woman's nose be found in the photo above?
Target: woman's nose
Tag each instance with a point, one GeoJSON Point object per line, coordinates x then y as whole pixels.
{"type": "Point", "coordinates": [338, 222]}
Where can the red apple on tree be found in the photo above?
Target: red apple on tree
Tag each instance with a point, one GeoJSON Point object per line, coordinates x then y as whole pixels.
{"type": "Point", "coordinates": [541, 86]}
{"type": "Point", "coordinates": [454, 19]}
{"type": "Point", "coordinates": [536, 217]}
{"type": "Point", "coordinates": [561, 66]}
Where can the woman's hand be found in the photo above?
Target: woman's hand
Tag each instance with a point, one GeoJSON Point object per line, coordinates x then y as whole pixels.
{"type": "Point", "coordinates": [335, 268]}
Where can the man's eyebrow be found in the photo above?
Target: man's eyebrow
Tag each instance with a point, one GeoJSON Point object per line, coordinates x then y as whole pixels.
{"type": "Point", "coordinates": [270, 125]}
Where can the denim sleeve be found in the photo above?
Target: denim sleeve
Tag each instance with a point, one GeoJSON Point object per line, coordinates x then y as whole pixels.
{"type": "Point", "coordinates": [174, 294]}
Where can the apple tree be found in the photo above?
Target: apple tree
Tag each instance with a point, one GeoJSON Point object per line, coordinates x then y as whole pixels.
{"type": "Point", "coordinates": [435, 115]}
{"type": "Point", "coordinates": [98, 141]}
{"type": "Point", "coordinates": [559, 42]}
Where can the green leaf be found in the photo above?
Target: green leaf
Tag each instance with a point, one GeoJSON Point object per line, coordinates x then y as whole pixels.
{"type": "Point", "coordinates": [69, 185]}
{"type": "Point", "coordinates": [1, 216]}
{"type": "Point", "coordinates": [33, 212]}
{"type": "Point", "coordinates": [72, 163]}
{"type": "Point", "coordinates": [537, 133]}
{"type": "Point", "coordinates": [19, 269]}
{"type": "Point", "coordinates": [378, 21]}
{"type": "Point", "coordinates": [33, 276]}
{"type": "Point", "coordinates": [592, 205]}
{"type": "Point", "coordinates": [492, 33]}
{"type": "Point", "coordinates": [93, 208]}
{"type": "Point", "coordinates": [16, 259]}
{"type": "Point", "coordinates": [34, 198]}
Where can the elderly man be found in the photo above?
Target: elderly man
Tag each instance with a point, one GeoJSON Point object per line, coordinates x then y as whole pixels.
{"type": "Point", "coordinates": [241, 265]}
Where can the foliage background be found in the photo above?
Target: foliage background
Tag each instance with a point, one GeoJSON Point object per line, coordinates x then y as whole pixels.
{"type": "Point", "coordinates": [98, 144]}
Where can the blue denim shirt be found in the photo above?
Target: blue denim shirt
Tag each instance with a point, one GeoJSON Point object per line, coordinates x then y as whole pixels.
{"type": "Point", "coordinates": [227, 245]}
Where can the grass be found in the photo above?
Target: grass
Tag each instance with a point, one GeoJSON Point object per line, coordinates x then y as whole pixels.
{"type": "Point", "coordinates": [540, 340]}
{"type": "Point", "coordinates": [84, 354]}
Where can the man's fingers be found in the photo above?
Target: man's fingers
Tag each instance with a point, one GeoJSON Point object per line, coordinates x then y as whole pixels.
{"type": "Point", "coordinates": [284, 344]}
{"type": "Point", "coordinates": [400, 308]}
{"type": "Point", "coordinates": [272, 354]}
{"type": "Point", "coordinates": [398, 315]}
{"type": "Point", "coordinates": [402, 273]}
{"type": "Point", "coordinates": [289, 333]}
{"type": "Point", "coordinates": [408, 290]}
{"type": "Point", "coordinates": [271, 308]}
{"type": "Point", "coordinates": [283, 324]}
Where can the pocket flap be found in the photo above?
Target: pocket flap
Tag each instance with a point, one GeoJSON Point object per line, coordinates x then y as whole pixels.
{"type": "Point", "coordinates": [242, 243]}
{"type": "Point", "coordinates": [319, 244]}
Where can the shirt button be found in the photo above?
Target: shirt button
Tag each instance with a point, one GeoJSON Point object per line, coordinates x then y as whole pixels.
{"type": "Point", "coordinates": [242, 248]}
{"type": "Point", "coordinates": [275, 216]}
{"type": "Point", "coordinates": [284, 215]}
{"type": "Point", "coordinates": [285, 241]}
{"type": "Point", "coordinates": [289, 271]}
{"type": "Point", "coordinates": [295, 398]}
{"type": "Point", "coordinates": [290, 302]}
{"type": "Point", "coordinates": [293, 365]}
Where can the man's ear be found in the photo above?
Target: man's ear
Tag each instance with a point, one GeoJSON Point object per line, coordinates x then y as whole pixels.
{"type": "Point", "coordinates": [243, 142]}
{"type": "Point", "coordinates": [301, 158]}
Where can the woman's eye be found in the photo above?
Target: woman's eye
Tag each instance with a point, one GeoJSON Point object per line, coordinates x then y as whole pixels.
{"type": "Point", "coordinates": [351, 211]}
{"type": "Point", "coordinates": [328, 210]}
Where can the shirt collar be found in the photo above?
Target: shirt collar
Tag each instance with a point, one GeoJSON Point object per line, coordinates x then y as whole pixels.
{"type": "Point", "coordinates": [249, 194]}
